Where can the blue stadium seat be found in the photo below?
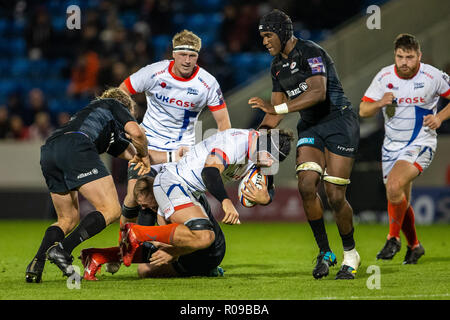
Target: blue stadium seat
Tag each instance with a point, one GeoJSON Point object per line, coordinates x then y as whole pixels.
{"type": "Point", "coordinates": [17, 47]}
{"type": "Point", "coordinates": [160, 43]}
{"type": "Point", "coordinates": [128, 19]}
{"type": "Point", "coordinates": [19, 67]}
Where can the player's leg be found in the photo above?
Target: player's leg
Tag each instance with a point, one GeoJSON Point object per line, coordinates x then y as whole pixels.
{"type": "Point", "coordinates": [397, 185]}
{"type": "Point", "coordinates": [189, 231]}
{"type": "Point", "coordinates": [310, 164]}
{"type": "Point", "coordinates": [102, 194]}
{"type": "Point", "coordinates": [414, 248]}
{"type": "Point", "coordinates": [66, 207]}
{"type": "Point", "coordinates": [335, 182]}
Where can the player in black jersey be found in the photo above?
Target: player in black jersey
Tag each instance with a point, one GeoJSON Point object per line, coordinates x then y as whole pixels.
{"type": "Point", "coordinates": [70, 163]}
{"type": "Point", "coordinates": [305, 80]}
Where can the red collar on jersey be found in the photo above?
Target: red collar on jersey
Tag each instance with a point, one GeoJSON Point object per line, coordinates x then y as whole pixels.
{"type": "Point", "coordinates": [196, 69]}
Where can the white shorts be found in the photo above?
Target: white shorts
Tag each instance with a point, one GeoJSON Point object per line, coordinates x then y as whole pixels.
{"type": "Point", "coordinates": [419, 155]}
{"type": "Point", "coordinates": [172, 193]}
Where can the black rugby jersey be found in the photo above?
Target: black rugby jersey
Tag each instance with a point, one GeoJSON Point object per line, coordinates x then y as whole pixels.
{"type": "Point", "coordinates": [308, 59]}
{"type": "Point", "coordinates": [103, 122]}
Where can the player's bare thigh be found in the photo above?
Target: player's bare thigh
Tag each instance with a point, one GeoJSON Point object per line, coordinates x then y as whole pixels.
{"type": "Point", "coordinates": [146, 270]}
{"type": "Point", "coordinates": [399, 180]}
{"type": "Point", "coordinates": [102, 194]}
{"type": "Point", "coordinates": [67, 210]}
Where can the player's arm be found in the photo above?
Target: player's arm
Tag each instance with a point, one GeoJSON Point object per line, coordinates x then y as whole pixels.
{"type": "Point", "coordinates": [139, 141]}
{"type": "Point", "coordinates": [222, 119]}
{"type": "Point", "coordinates": [435, 121]}
{"type": "Point", "coordinates": [316, 92]}
{"type": "Point", "coordinates": [271, 121]}
{"type": "Point", "coordinates": [211, 175]}
{"type": "Point", "coordinates": [369, 107]}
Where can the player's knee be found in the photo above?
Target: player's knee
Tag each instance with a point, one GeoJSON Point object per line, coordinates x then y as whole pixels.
{"type": "Point", "coordinates": [307, 185]}
{"type": "Point", "coordinates": [204, 239]}
{"type": "Point", "coordinates": [67, 224]}
{"type": "Point", "coordinates": [336, 199]}
{"type": "Point", "coordinates": [202, 232]}
{"type": "Point", "coordinates": [393, 188]}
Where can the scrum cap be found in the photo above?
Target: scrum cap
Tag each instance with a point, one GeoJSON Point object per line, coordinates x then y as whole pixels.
{"type": "Point", "coordinates": [278, 22]}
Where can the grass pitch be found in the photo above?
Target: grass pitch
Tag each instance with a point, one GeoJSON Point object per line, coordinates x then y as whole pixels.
{"type": "Point", "coordinates": [268, 261]}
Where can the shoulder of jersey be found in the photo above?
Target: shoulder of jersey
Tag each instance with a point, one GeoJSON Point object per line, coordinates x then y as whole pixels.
{"type": "Point", "coordinates": [431, 69]}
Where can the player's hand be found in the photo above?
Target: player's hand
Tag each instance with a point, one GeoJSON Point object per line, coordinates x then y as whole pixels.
{"type": "Point", "coordinates": [181, 151]}
{"type": "Point", "coordinates": [254, 194]}
{"type": "Point", "coordinates": [259, 103]}
{"type": "Point", "coordinates": [231, 214]}
{"type": "Point", "coordinates": [142, 164]}
{"type": "Point", "coordinates": [387, 99]}
{"type": "Point", "coordinates": [161, 257]}
{"type": "Point", "coordinates": [432, 121]}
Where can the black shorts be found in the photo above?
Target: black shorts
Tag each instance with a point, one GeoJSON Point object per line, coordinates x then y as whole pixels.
{"type": "Point", "coordinates": [339, 135]}
{"type": "Point", "coordinates": [201, 262]}
{"type": "Point", "coordinates": [70, 161]}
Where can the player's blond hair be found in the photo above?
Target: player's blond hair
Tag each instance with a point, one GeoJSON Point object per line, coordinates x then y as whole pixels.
{"type": "Point", "coordinates": [120, 95]}
{"type": "Point", "coordinates": [187, 39]}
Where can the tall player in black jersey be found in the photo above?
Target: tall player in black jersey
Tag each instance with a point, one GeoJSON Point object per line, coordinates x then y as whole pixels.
{"type": "Point", "coordinates": [70, 164]}
{"type": "Point", "coordinates": [305, 80]}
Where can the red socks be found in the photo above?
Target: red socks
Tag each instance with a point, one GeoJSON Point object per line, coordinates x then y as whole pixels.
{"type": "Point", "coordinates": [409, 228]}
{"type": "Point", "coordinates": [396, 212]}
{"type": "Point", "coordinates": [401, 217]}
{"type": "Point", "coordinates": [155, 233]}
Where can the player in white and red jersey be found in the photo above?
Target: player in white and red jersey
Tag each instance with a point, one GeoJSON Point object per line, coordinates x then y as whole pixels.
{"type": "Point", "coordinates": [176, 91]}
{"type": "Point", "coordinates": [185, 220]}
{"type": "Point", "coordinates": [407, 93]}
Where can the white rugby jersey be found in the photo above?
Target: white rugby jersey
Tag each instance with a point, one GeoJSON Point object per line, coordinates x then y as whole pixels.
{"type": "Point", "coordinates": [416, 97]}
{"type": "Point", "coordinates": [231, 146]}
{"type": "Point", "coordinates": [173, 103]}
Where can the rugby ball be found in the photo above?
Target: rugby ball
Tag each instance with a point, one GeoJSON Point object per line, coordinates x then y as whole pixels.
{"type": "Point", "coordinates": [254, 175]}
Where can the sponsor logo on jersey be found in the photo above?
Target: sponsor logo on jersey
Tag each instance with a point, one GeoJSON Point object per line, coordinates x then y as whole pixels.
{"type": "Point", "coordinates": [177, 102]}
{"type": "Point", "coordinates": [165, 86]}
{"type": "Point", "coordinates": [316, 65]}
{"type": "Point", "coordinates": [391, 86]}
{"type": "Point", "coordinates": [192, 91]}
{"type": "Point", "coordinates": [302, 87]}
{"type": "Point", "coordinates": [86, 174]}
{"type": "Point", "coordinates": [204, 83]}
{"type": "Point", "coordinates": [411, 100]}
{"type": "Point", "coordinates": [158, 73]}
{"type": "Point", "coordinates": [305, 141]}
{"type": "Point", "coordinates": [419, 85]}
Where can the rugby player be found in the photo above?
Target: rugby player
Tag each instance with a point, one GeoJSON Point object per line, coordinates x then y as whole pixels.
{"type": "Point", "coordinates": [70, 164]}
{"type": "Point", "coordinates": [305, 80]}
{"type": "Point", "coordinates": [186, 224]}
{"type": "Point", "coordinates": [176, 91]}
{"type": "Point", "coordinates": [407, 93]}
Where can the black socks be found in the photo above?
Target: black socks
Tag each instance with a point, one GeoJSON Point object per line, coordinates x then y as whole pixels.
{"type": "Point", "coordinates": [347, 240]}
{"type": "Point", "coordinates": [52, 234]}
{"type": "Point", "coordinates": [320, 234]}
{"type": "Point", "coordinates": [92, 224]}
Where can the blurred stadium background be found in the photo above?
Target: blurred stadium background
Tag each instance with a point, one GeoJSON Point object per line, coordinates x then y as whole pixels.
{"type": "Point", "coordinates": [48, 72]}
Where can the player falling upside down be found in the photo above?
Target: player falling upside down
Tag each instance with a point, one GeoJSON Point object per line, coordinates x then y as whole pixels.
{"type": "Point", "coordinates": [407, 93]}
{"type": "Point", "coordinates": [70, 164]}
{"type": "Point", "coordinates": [176, 91]}
{"type": "Point", "coordinates": [305, 80]}
{"type": "Point", "coordinates": [179, 189]}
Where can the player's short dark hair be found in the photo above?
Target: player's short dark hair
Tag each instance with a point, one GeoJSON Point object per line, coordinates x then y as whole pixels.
{"type": "Point", "coordinates": [143, 186]}
{"type": "Point", "coordinates": [406, 42]}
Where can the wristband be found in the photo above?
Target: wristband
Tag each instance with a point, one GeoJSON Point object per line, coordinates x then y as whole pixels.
{"type": "Point", "coordinates": [281, 108]}
{"type": "Point", "coordinates": [170, 156]}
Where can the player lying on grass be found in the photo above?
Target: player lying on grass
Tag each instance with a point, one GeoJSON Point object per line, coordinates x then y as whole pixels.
{"type": "Point", "coordinates": [186, 227]}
